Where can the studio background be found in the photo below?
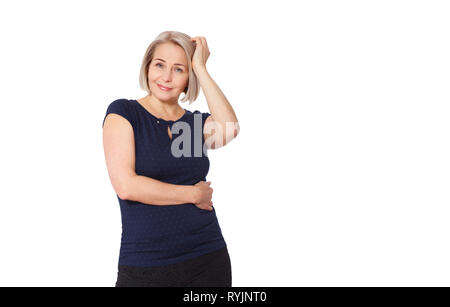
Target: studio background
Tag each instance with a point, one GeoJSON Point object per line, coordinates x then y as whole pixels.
{"type": "Point", "coordinates": [340, 173]}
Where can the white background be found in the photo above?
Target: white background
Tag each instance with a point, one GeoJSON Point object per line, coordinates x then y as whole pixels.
{"type": "Point", "coordinates": [340, 175]}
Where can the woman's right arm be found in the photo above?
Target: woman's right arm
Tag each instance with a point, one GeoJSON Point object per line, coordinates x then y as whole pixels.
{"type": "Point", "coordinates": [118, 145]}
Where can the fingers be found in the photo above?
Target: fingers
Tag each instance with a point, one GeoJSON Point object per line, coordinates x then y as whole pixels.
{"type": "Point", "coordinates": [201, 40]}
{"type": "Point", "coordinates": [209, 208]}
{"type": "Point", "coordinates": [196, 40]}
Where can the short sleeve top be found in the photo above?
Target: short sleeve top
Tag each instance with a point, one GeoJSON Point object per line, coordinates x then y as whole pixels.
{"type": "Point", "coordinates": [157, 235]}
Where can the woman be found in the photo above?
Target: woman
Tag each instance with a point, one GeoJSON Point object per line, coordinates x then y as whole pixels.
{"type": "Point", "coordinates": [170, 232]}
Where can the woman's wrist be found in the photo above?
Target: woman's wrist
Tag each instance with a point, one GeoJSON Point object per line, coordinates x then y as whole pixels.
{"type": "Point", "coordinates": [192, 194]}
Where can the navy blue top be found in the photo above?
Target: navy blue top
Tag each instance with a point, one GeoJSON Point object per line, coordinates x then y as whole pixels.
{"type": "Point", "coordinates": [157, 235]}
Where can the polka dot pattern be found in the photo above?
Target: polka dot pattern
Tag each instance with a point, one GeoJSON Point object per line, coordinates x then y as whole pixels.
{"type": "Point", "coordinates": [154, 235]}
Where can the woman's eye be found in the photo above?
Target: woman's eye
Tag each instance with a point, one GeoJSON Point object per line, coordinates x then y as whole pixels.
{"type": "Point", "coordinates": [162, 65]}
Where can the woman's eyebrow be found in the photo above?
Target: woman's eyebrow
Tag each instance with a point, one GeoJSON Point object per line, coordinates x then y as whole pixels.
{"type": "Point", "coordinates": [173, 64]}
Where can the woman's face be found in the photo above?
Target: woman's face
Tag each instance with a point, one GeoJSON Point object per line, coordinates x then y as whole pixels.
{"type": "Point", "coordinates": [169, 69]}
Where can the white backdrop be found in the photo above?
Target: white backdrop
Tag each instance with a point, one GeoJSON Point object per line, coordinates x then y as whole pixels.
{"type": "Point", "coordinates": [340, 175]}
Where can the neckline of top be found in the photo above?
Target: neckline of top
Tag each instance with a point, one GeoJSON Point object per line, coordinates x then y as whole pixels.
{"type": "Point", "coordinates": [158, 118]}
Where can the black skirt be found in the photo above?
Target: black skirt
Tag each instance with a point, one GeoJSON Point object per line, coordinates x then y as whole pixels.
{"type": "Point", "coordinates": [209, 270]}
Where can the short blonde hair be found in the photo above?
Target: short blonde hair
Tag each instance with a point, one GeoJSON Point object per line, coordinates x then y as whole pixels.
{"type": "Point", "coordinates": [184, 41]}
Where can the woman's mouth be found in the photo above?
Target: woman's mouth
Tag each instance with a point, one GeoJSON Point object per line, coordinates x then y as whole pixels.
{"type": "Point", "coordinates": [163, 88]}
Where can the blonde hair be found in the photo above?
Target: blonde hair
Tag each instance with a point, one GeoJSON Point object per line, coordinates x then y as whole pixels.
{"type": "Point", "coordinates": [184, 41]}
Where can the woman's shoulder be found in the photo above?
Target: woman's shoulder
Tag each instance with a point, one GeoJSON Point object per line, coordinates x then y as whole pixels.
{"type": "Point", "coordinates": [197, 114]}
{"type": "Point", "coordinates": [125, 102]}
{"type": "Point", "coordinates": [204, 115]}
{"type": "Point", "coordinates": [123, 107]}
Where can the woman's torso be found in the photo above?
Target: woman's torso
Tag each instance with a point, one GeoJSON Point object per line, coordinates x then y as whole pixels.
{"type": "Point", "coordinates": [155, 235]}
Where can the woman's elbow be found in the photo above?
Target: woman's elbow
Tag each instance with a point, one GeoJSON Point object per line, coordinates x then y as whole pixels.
{"type": "Point", "coordinates": [231, 134]}
{"type": "Point", "coordinates": [123, 188]}
{"type": "Point", "coordinates": [122, 194]}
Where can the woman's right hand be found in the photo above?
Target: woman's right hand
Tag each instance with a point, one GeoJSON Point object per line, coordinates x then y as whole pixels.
{"type": "Point", "coordinates": [203, 195]}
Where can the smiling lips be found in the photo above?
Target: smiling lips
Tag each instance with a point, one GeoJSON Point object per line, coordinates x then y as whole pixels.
{"type": "Point", "coordinates": [163, 88]}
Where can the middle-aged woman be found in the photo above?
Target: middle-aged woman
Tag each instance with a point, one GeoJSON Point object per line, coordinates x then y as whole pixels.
{"type": "Point", "coordinates": [170, 232]}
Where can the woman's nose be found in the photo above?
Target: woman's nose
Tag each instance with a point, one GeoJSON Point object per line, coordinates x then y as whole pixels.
{"type": "Point", "coordinates": [167, 75]}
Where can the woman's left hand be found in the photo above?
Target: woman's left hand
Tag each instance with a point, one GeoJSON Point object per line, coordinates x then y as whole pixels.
{"type": "Point", "coordinates": [201, 53]}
